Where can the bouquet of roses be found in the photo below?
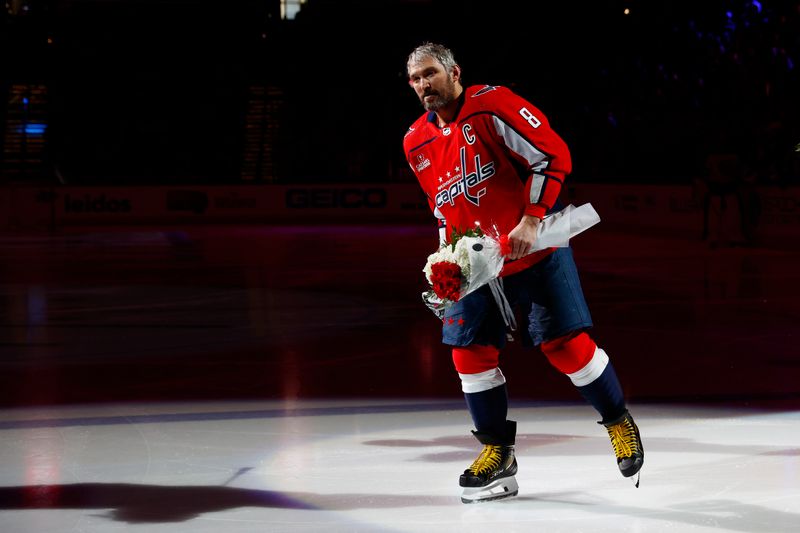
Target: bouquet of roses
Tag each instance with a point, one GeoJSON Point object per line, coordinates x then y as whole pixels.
{"type": "Point", "coordinates": [475, 258]}
{"type": "Point", "coordinates": [470, 260]}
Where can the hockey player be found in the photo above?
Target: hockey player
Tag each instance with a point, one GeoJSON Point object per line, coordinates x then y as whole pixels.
{"type": "Point", "coordinates": [484, 155]}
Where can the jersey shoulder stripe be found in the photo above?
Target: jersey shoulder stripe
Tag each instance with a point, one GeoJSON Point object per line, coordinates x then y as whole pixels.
{"type": "Point", "coordinates": [417, 147]}
{"type": "Point", "coordinates": [483, 90]}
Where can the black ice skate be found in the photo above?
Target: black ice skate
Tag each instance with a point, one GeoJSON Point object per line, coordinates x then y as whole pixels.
{"type": "Point", "coordinates": [627, 444]}
{"type": "Point", "coordinates": [491, 475]}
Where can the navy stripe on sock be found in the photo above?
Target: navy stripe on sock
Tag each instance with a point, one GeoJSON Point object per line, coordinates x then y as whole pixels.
{"type": "Point", "coordinates": [605, 394]}
{"type": "Point", "coordinates": [489, 409]}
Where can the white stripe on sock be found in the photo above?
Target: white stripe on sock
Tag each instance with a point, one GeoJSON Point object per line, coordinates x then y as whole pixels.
{"type": "Point", "coordinates": [592, 370]}
{"type": "Point", "coordinates": [481, 381]}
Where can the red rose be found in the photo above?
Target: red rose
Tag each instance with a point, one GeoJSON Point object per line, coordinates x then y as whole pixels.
{"type": "Point", "coordinates": [446, 280]}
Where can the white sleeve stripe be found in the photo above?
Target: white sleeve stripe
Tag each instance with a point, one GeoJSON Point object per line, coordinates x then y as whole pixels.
{"type": "Point", "coordinates": [442, 236]}
{"type": "Point", "coordinates": [536, 159]}
{"type": "Point", "coordinates": [592, 370]}
{"type": "Point", "coordinates": [536, 187]}
{"type": "Point", "coordinates": [442, 226]}
{"type": "Point", "coordinates": [481, 381]}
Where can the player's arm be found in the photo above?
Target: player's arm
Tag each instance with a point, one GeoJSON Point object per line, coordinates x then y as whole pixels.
{"type": "Point", "coordinates": [529, 139]}
{"type": "Point", "coordinates": [527, 134]}
{"type": "Point", "coordinates": [523, 236]}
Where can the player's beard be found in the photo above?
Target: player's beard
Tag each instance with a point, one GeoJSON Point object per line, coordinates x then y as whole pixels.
{"type": "Point", "coordinates": [441, 98]}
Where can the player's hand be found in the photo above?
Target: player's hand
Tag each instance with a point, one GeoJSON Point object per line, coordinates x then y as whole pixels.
{"type": "Point", "coordinates": [522, 237]}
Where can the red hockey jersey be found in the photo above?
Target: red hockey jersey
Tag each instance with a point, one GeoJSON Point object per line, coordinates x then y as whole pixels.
{"type": "Point", "coordinates": [497, 160]}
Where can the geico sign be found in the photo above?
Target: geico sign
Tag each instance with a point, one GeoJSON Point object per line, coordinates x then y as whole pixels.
{"type": "Point", "coordinates": [348, 198]}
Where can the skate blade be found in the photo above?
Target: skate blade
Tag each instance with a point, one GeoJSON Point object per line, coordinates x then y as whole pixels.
{"type": "Point", "coordinates": [497, 490]}
{"type": "Point", "coordinates": [635, 479]}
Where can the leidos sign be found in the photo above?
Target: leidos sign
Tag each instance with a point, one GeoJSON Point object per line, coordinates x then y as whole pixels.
{"type": "Point", "coordinates": [88, 203]}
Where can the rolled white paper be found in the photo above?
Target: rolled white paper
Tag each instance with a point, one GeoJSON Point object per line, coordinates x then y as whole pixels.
{"type": "Point", "coordinates": [557, 229]}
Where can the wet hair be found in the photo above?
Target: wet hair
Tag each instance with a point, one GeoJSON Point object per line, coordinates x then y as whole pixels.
{"type": "Point", "coordinates": [439, 52]}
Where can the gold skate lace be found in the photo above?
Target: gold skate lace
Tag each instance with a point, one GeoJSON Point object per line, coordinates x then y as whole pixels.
{"type": "Point", "coordinates": [623, 439]}
{"type": "Point", "coordinates": [488, 460]}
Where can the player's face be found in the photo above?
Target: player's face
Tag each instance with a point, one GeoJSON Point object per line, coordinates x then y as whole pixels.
{"type": "Point", "coordinates": [434, 86]}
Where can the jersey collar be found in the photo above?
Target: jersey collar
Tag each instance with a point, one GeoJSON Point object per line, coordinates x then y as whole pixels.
{"type": "Point", "coordinates": [432, 114]}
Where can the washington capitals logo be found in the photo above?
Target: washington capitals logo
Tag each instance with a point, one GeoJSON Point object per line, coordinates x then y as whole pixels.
{"type": "Point", "coordinates": [468, 181]}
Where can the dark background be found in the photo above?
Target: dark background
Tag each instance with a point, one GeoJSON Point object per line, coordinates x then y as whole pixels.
{"type": "Point", "coordinates": [165, 93]}
{"type": "Point", "coordinates": [154, 92]}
